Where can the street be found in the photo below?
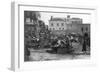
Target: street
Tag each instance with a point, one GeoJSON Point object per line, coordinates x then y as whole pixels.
{"type": "Point", "coordinates": [42, 55]}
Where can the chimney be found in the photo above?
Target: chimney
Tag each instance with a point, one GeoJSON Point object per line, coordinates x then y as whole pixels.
{"type": "Point", "coordinates": [51, 17]}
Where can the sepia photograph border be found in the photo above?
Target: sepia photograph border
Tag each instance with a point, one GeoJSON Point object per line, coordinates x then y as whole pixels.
{"type": "Point", "coordinates": [17, 38]}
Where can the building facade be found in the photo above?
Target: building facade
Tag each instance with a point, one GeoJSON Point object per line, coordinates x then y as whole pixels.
{"type": "Point", "coordinates": [68, 24]}
{"type": "Point", "coordinates": [62, 23]}
{"type": "Point", "coordinates": [57, 24]}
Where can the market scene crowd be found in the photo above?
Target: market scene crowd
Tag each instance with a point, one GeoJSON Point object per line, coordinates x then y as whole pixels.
{"type": "Point", "coordinates": [42, 42]}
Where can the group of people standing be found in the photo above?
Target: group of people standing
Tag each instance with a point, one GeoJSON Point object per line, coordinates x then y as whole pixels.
{"type": "Point", "coordinates": [86, 42]}
{"type": "Point", "coordinates": [67, 43]}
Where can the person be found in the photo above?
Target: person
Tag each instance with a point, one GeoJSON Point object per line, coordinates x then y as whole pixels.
{"type": "Point", "coordinates": [27, 52]}
{"type": "Point", "coordinates": [85, 37]}
{"type": "Point", "coordinates": [84, 46]}
{"type": "Point", "coordinates": [54, 45]}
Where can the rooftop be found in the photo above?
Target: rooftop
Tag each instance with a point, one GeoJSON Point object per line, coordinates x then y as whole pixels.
{"type": "Point", "coordinates": [58, 19]}
{"type": "Point", "coordinates": [76, 18]}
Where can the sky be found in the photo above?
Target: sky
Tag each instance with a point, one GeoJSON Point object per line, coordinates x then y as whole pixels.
{"type": "Point", "coordinates": [45, 16]}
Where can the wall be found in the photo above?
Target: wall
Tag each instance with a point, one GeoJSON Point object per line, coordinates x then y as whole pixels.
{"type": "Point", "coordinates": [55, 26]}
{"type": "Point", "coordinates": [5, 36]}
{"type": "Point", "coordinates": [77, 28]}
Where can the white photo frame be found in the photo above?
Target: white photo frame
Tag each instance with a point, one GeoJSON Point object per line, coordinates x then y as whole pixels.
{"type": "Point", "coordinates": [17, 35]}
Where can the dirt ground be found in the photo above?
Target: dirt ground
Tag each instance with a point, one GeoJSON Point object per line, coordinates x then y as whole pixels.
{"type": "Point", "coordinates": [42, 55]}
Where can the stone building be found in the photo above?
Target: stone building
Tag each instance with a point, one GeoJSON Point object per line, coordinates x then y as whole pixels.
{"type": "Point", "coordinates": [61, 23]}
{"type": "Point", "coordinates": [68, 24]}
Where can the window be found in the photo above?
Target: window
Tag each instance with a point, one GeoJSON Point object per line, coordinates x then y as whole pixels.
{"type": "Point", "coordinates": [62, 28]}
{"type": "Point", "coordinates": [57, 24]}
{"type": "Point", "coordinates": [86, 28]}
{"type": "Point", "coordinates": [50, 28]}
{"type": "Point", "coordinates": [51, 24]}
{"type": "Point", "coordinates": [62, 24]}
{"type": "Point", "coordinates": [53, 28]}
{"type": "Point", "coordinates": [28, 20]}
{"type": "Point", "coordinates": [82, 29]}
{"type": "Point", "coordinates": [59, 28]}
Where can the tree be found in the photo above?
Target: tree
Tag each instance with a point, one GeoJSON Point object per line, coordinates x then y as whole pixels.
{"type": "Point", "coordinates": [35, 15]}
